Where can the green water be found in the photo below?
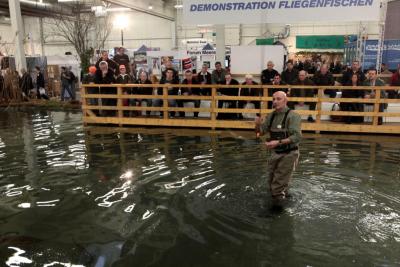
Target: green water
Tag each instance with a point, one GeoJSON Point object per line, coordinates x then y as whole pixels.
{"type": "Point", "coordinates": [74, 197]}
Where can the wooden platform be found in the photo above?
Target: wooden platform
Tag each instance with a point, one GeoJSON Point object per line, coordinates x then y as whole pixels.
{"type": "Point", "coordinates": [119, 117]}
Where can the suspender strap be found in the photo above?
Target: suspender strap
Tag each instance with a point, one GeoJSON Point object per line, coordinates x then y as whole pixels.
{"type": "Point", "coordinates": [284, 119]}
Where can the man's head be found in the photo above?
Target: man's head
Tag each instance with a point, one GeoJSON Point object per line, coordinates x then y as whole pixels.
{"type": "Point", "coordinates": [143, 76]}
{"type": "Point", "coordinates": [218, 66]}
{"type": "Point", "coordinates": [324, 69]}
{"type": "Point", "coordinates": [372, 74]}
{"type": "Point", "coordinates": [279, 100]}
{"type": "Point", "coordinates": [104, 55]}
{"type": "Point", "coordinates": [383, 67]}
{"type": "Point", "coordinates": [122, 69]}
{"type": "Point", "coordinates": [92, 70]}
{"type": "Point", "coordinates": [169, 74]}
{"type": "Point", "coordinates": [302, 75]}
{"type": "Point", "coordinates": [277, 79]}
{"type": "Point", "coordinates": [168, 64]}
{"type": "Point", "coordinates": [23, 71]}
{"type": "Point", "coordinates": [188, 75]}
{"type": "Point", "coordinates": [270, 65]}
{"type": "Point", "coordinates": [289, 65]}
{"type": "Point", "coordinates": [204, 68]}
{"type": "Point", "coordinates": [249, 79]}
{"type": "Point", "coordinates": [37, 69]}
{"type": "Point", "coordinates": [63, 69]}
{"type": "Point", "coordinates": [121, 51]}
{"type": "Point", "coordinates": [228, 78]}
{"type": "Point", "coordinates": [103, 65]}
{"type": "Point", "coordinates": [355, 66]}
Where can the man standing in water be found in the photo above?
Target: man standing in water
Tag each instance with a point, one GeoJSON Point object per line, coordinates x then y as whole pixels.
{"type": "Point", "coordinates": [284, 129]}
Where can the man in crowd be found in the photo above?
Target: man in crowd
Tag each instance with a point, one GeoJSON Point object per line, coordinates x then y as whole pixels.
{"type": "Point", "coordinates": [124, 78]}
{"type": "Point", "coordinates": [122, 59]}
{"type": "Point", "coordinates": [218, 75]}
{"type": "Point", "coordinates": [355, 68]}
{"type": "Point", "coordinates": [189, 91]}
{"type": "Point", "coordinates": [284, 129]}
{"type": "Point", "coordinates": [324, 78]}
{"type": "Point", "coordinates": [168, 79]}
{"type": "Point", "coordinates": [89, 78]}
{"type": "Point", "coordinates": [170, 66]}
{"type": "Point", "coordinates": [66, 92]}
{"type": "Point", "coordinates": [290, 74]}
{"type": "Point", "coordinates": [303, 80]}
{"type": "Point", "coordinates": [104, 75]}
{"type": "Point", "coordinates": [26, 83]}
{"type": "Point", "coordinates": [230, 91]}
{"type": "Point", "coordinates": [268, 74]}
{"type": "Point", "coordinates": [249, 92]}
{"type": "Point", "coordinates": [373, 80]}
{"type": "Point", "coordinates": [204, 77]}
{"type": "Point", "coordinates": [112, 65]}
{"type": "Point", "coordinates": [41, 92]}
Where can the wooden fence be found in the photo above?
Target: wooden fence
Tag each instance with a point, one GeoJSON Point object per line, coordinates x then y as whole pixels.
{"type": "Point", "coordinates": [97, 114]}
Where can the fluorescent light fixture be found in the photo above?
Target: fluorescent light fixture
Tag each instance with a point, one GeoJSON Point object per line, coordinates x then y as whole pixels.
{"type": "Point", "coordinates": [178, 6]}
{"type": "Point", "coordinates": [121, 21]}
{"type": "Point", "coordinates": [34, 2]}
{"type": "Point", "coordinates": [64, 1]}
{"type": "Point", "coordinates": [150, 7]}
{"type": "Point", "coordinates": [117, 9]}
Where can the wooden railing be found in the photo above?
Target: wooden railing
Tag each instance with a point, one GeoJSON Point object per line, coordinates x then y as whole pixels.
{"type": "Point", "coordinates": [100, 113]}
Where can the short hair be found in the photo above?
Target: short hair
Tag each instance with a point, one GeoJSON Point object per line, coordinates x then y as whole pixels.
{"type": "Point", "coordinates": [248, 76]}
{"type": "Point", "coordinates": [270, 62]}
{"type": "Point", "coordinates": [37, 68]}
{"type": "Point", "coordinates": [218, 63]}
{"type": "Point", "coordinates": [102, 63]}
{"type": "Point", "coordinates": [277, 75]}
{"type": "Point", "coordinates": [169, 69]}
{"type": "Point", "coordinates": [374, 70]}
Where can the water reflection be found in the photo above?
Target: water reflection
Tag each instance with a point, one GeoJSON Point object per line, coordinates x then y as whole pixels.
{"type": "Point", "coordinates": [152, 197]}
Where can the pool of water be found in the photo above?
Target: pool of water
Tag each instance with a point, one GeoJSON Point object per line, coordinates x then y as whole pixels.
{"type": "Point", "coordinates": [75, 196]}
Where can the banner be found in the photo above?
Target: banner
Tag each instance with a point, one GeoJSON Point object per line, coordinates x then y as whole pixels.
{"type": "Point", "coordinates": [320, 42]}
{"type": "Point", "coordinates": [278, 11]}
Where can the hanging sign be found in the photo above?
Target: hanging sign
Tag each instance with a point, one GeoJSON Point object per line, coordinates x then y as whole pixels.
{"type": "Point", "coordinates": [278, 11]}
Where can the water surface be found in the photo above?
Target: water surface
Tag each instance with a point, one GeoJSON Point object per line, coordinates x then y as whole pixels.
{"type": "Point", "coordinates": [71, 196]}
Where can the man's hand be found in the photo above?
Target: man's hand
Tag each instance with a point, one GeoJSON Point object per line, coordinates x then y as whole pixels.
{"type": "Point", "coordinates": [272, 144]}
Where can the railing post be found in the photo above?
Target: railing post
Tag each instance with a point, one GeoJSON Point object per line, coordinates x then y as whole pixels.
{"type": "Point", "coordinates": [213, 114]}
{"type": "Point", "coordinates": [165, 103]}
{"type": "Point", "coordinates": [264, 104]}
{"type": "Point", "coordinates": [84, 104]}
{"type": "Point", "coordinates": [119, 106]}
{"type": "Point", "coordinates": [376, 106]}
{"type": "Point", "coordinates": [319, 106]}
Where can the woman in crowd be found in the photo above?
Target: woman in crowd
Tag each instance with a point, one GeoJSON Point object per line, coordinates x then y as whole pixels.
{"type": "Point", "coordinates": [357, 107]}
{"type": "Point", "coordinates": [395, 82]}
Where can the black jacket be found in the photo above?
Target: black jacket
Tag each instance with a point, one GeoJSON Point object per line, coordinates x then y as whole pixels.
{"type": "Point", "coordinates": [267, 76]}
{"type": "Point", "coordinates": [191, 91]}
{"type": "Point", "coordinates": [325, 80]}
{"type": "Point", "coordinates": [290, 77]}
{"type": "Point", "coordinates": [204, 78]}
{"type": "Point", "coordinates": [303, 92]}
{"type": "Point", "coordinates": [26, 83]}
{"type": "Point", "coordinates": [346, 78]}
{"type": "Point", "coordinates": [111, 64]}
{"type": "Point", "coordinates": [251, 91]}
{"type": "Point", "coordinates": [144, 91]}
{"type": "Point", "coordinates": [108, 79]}
{"type": "Point", "coordinates": [122, 60]}
{"type": "Point", "coordinates": [171, 91]}
{"type": "Point", "coordinates": [234, 91]}
{"type": "Point", "coordinates": [40, 81]}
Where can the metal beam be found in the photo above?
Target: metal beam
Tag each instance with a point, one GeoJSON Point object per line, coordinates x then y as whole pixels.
{"type": "Point", "coordinates": [18, 32]}
{"type": "Point", "coordinates": [149, 12]}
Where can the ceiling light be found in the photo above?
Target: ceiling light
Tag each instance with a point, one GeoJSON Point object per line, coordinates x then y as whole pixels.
{"type": "Point", "coordinates": [178, 6]}
{"type": "Point", "coordinates": [117, 9]}
{"type": "Point", "coordinates": [150, 7]}
{"type": "Point", "coordinates": [34, 2]}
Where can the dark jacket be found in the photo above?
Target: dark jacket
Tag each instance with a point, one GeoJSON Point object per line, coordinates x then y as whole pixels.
{"type": "Point", "coordinates": [108, 79]}
{"type": "Point", "coordinates": [88, 79]}
{"type": "Point", "coordinates": [218, 77]}
{"type": "Point", "coordinates": [251, 91]}
{"type": "Point", "coordinates": [234, 91]}
{"type": "Point", "coordinates": [40, 81]}
{"type": "Point", "coordinates": [274, 90]}
{"type": "Point", "coordinates": [325, 80]}
{"type": "Point", "coordinates": [176, 76]}
{"type": "Point", "coordinates": [346, 78]}
{"type": "Point", "coordinates": [289, 77]}
{"type": "Point", "coordinates": [171, 91]}
{"type": "Point", "coordinates": [352, 93]}
{"type": "Point", "coordinates": [26, 83]}
{"type": "Point", "coordinates": [191, 91]}
{"type": "Point", "coordinates": [144, 91]}
{"type": "Point", "coordinates": [267, 76]}
{"type": "Point", "coordinates": [303, 92]}
{"type": "Point", "coordinates": [204, 78]}
{"type": "Point", "coordinates": [122, 60]}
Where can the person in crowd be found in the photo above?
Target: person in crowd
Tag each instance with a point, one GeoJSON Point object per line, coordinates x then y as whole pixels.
{"type": "Point", "coordinates": [124, 78]}
{"type": "Point", "coordinates": [66, 84]}
{"type": "Point", "coordinates": [284, 129]}
{"type": "Point", "coordinates": [324, 78]}
{"type": "Point", "coordinates": [170, 66]}
{"type": "Point", "coordinates": [72, 82]}
{"type": "Point", "coordinates": [386, 72]}
{"type": "Point", "coordinates": [395, 81]}
{"type": "Point", "coordinates": [268, 74]}
{"type": "Point", "coordinates": [373, 80]}
{"type": "Point", "coordinates": [290, 74]}
{"type": "Point", "coordinates": [303, 80]}
{"type": "Point", "coordinates": [144, 79]}
{"type": "Point", "coordinates": [41, 92]}
{"type": "Point", "coordinates": [277, 81]}
{"type": "Point", "coordinates": [89, 78]}
{"type": "Point", "coordinates": [249, 92]}
{"type": "Point", "coordinates": [104, 75]}
{"type": "Point", "coordinates": [26, 84]}
{"type": "Point", "coordinates": [112, 65]}
{"type": "Point", "coordinates": [231, 91]}
{"type": "Point", "coordinates": [204, 77]}
{"type": "Point", "coordinates": [218, 75]}
{"type": "Point", "coordinates": [133, 72]}
{"type": "Point", "coordinates": [350, 93]}
{"type": "Point", "coordinates": [122, 59]}
{"type": "Point", "coordinates": [172, 90]}
{"type": "Point", "coordinates": [189, 79]}
{"type": "Point", "coordinates": [338, 68]}
{"type": "Point", "coordinates": [355, 68]}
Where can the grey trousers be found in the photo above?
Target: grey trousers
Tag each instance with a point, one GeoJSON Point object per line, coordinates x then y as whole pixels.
{"type": "Point", "coordinates": [280, 169]}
